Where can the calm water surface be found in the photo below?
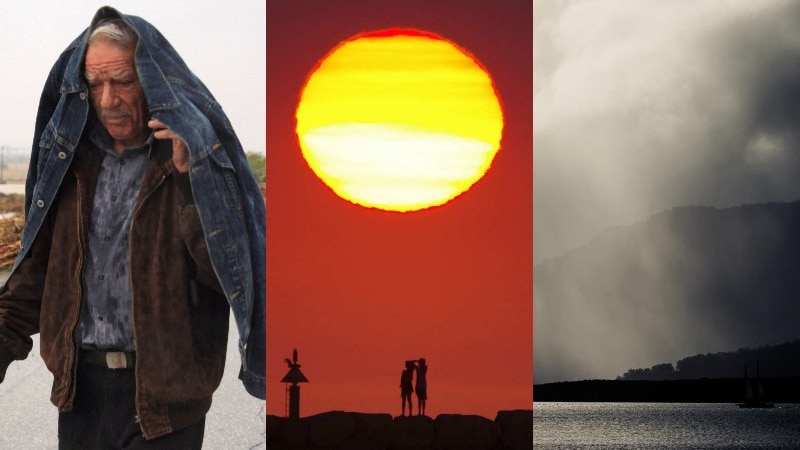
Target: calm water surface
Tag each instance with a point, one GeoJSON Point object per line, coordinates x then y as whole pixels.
{"type": "Point", "coordinates": [664, 426]}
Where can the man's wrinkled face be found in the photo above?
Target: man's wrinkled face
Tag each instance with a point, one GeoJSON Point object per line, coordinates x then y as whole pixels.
{"type": "Point", "coordinates": [116, 93]}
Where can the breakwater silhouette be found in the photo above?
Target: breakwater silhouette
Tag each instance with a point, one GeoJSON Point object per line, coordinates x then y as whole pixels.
{"type": "Point", "coordinates": [510, 430]}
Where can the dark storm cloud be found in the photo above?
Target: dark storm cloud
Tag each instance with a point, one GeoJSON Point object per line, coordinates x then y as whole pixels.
{"type": "Point", "coordinates": [643, 106]}
{"type": "Point", "coordinates": [640, 107]}
{"type": "Point", "coordinates": [762, 54]}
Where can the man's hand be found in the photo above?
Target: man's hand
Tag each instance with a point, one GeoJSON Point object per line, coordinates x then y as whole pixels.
{"type": "Point", "coordinates": [180, 154]}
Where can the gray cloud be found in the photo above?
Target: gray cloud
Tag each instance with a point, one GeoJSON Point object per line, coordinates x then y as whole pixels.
{"type": "Point", "coordinates": [640, 106]}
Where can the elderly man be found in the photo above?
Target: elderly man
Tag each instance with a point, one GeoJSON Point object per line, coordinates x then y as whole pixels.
{"type": "Point", "coordinates": [145, 227]}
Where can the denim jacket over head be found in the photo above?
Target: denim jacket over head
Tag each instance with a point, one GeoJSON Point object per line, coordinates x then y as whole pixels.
{"type": "Point", "coordinates": [231, 207]}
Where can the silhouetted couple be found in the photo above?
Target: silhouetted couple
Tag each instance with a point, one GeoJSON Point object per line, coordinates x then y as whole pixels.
{"type": "Point", "coordinates": [407, 387]}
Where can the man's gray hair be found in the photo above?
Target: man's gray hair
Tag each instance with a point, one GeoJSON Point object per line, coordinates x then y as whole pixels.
{"type": "Point", "coordinates": [114, 31]}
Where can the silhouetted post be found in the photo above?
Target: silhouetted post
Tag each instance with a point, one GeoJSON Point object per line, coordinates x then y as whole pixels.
{"type": "Point", "coordinates": [294, 376]}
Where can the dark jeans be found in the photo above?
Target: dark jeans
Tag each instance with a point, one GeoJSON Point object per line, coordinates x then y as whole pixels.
{"type": "Point", "coordinates": [104, 416]}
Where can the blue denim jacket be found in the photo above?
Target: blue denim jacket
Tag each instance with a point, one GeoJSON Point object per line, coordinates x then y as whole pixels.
{"type": "Point", "coordinates": [226, 193]}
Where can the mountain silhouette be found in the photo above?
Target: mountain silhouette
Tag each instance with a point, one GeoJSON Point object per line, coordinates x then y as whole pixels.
{"type": "Point", "coordinates": [690, 280]}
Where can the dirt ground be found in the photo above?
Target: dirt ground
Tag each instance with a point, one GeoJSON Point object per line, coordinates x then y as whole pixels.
{"type": "Point", "coordinates": [11, 221]}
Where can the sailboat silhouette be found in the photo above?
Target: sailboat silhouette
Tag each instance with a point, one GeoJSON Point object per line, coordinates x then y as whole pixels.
{"type": "Point", "coordinates": [754, 398]}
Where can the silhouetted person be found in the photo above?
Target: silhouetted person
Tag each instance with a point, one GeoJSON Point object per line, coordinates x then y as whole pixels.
{"type": "Point", "coordinates": [406, 387]}
{"type": "Point", "coordinates": [422, 386]}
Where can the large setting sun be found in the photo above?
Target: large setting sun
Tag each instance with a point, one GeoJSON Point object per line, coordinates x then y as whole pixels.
{"type": "Point", "coordinates": [399, 120]}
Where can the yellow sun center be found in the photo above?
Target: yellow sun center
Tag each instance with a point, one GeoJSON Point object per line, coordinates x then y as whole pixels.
{"type": "Point", "coordinates": [399, 120]}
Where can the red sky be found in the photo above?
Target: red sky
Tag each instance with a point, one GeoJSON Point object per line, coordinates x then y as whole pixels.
{"type": "Point", "coordinates": [358, 291]}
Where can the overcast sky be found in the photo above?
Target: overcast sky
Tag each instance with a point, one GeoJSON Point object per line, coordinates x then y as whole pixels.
{"type": "Point", "coordinates": [640, 106]}
{"type": "Point", "coordinates": [223, 45]}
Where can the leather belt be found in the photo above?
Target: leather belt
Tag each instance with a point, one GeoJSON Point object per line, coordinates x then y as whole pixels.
{"type": "Point", "coordinates": [109, 359]}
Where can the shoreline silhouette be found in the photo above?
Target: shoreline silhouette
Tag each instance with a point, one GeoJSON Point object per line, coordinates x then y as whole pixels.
{"type": "Point", "coordinates": [510, 430]}
{"type": "Point", "coordinates": [704, 390]}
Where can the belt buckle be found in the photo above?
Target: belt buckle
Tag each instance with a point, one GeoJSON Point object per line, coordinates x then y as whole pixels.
{"type": "Point", "coordinates": [116, 360]}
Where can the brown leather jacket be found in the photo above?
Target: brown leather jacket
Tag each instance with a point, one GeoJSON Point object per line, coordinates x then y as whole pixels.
{"type": "Point", "coordinates": [180, 317]}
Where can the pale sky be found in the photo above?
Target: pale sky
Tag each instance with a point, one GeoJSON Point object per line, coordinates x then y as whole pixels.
{"type": "Point", "coordinates": [224, 44]}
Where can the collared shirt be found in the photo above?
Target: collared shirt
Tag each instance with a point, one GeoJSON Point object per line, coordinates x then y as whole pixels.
{"type": "Point", "coordinates": [106, 319]}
